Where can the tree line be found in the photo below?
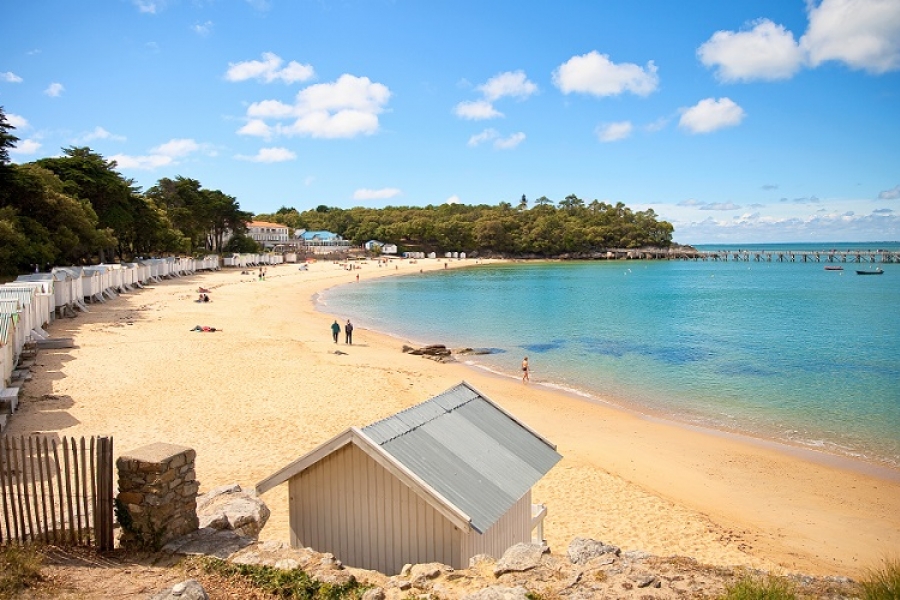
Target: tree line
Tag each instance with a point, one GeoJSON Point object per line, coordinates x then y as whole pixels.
{"type": "Point", "coordinates": [570, 226]}
{"type": "Point", "coordinates": [78, 209]}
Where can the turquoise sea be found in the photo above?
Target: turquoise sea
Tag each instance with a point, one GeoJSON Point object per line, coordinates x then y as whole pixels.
{"type": "Point", "coordinates": [781, 351]}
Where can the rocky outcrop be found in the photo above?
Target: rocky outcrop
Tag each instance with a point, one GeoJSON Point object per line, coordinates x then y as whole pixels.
{"type": "Point", "coordinates": [438, 352]}
{"type": "Point", "coordinates": [230, 508]}
{"type": "Point", "coordinates": [590, 569]}
{"type": "Point", "coordinates": [229, 520]}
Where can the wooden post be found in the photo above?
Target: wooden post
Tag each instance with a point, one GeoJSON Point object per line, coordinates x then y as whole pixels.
{"type": "Point", "coordinates": [53, 523]}
{"type": "Point", "coordinates": [103, 498]}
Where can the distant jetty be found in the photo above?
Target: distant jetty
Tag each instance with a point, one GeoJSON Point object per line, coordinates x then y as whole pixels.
{"type": "Point", "coordinates": [801, 256]}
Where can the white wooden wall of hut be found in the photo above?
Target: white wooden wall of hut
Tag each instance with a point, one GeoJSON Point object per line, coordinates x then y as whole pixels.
{"type": "Point", "coordinates": [351, 506]}
{"type": "Point", "coordinates": [63, 288]}
{"type": "Point", "coordinates": [11, 309]}
{"type": "Point", "coordinates": [45, 298]}
{"type": "Point", "coordinates": [73, 277]}
{"type": "Point", "coordinates": [512, 528]}
{"type": "Point", "coordinates": [8, 352]}
{"type": "Point", "coordinates": [91, 282]}
{"type": "Point", "coordinates": [99, 280]}
{"type": "Point", "coordinates": [44, 283]}
{"type": "Point", "coordinates": [25, 315]}
{"type": "Point", "coordinates": [32, 304]}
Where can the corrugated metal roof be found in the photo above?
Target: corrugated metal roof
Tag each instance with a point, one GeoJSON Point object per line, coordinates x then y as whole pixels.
{"type": "Point", "coordinates": [469, 450]}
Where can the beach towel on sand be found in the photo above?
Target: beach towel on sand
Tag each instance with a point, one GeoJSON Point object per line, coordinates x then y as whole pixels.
{"type": "Point", "coordinates": [204, 328]}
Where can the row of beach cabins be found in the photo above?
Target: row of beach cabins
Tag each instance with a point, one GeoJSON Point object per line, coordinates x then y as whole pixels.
{"type": "Point", "coordinates": [33, 301]}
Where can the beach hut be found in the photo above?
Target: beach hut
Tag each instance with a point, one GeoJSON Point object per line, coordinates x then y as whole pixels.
{"type": "Point", "coordinates": [9, 349]}
{"type": "Point", "coordinates": [442, 481]}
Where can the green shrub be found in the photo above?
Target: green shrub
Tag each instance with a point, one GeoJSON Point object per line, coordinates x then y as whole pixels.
{"type": "Point", "coordinates": [771, 588]}
{"type": "Point", "coordinates": [292, 583]}
{"type": "Point", "coordinates": [20, 568]}
{"type": "Point", "coordinates": [884, 583]}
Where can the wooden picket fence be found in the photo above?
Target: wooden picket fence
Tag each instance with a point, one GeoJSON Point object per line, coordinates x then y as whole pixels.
{"type": "Point", "coordinates": [55, 492]}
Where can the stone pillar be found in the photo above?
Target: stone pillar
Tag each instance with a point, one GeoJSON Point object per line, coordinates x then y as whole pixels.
{"type": "Point", "coordinates": [157, 499]}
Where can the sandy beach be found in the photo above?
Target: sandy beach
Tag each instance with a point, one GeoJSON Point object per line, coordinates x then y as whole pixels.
{"type": "Point", "coordinates": [270, 385]}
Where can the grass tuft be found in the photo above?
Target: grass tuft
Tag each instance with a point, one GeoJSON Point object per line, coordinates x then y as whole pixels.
{"type": "Point", "coordinates": [20, 569]}
{"type": "Point", "coordinates": [771, 588]}
{"type": "Point", "coordinates": [282, 583]}
{"type": "Point", "coordinates": [883, 583]}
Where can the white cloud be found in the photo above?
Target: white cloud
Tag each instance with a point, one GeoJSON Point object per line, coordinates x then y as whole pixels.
{"type": "Point", "coordinates": [141, 163]}
{"type": "Point", "coordinates": [823, 226]}
{"type": "Point", "coordinates": [160, 156]}
{"type": "Point", "coordinates": [864, 34]}
{"type": "Point", "coordinates": [26, 147]}
{"type": "Point", "coordinates": [508, 143]}
{"type": "Point", "coordinates": [177, 148]}
{"type": "Point", "coordinates": [54, 90]}
{"type": "Point", "coordinates": [499, 143]}
{"type": "Point", "coordinates": [454, 199]}
{"type": "Point", "coordinates": [476, 110]}
{"type": "Point", "coordinates": [612, 132]}
{"type": "Point", "coordinates": [269, 155]}
{"type": "Point", "coordinates": [271, 109]}
{"type": "Point", "coordinates": [99, 133]}
{"type": "Point", "coordinates": [257, 128]}
{"type": "Point", "coordinates": [767, 51]}
{"type": "Point", "coordinates": [709, 115]}
{"type": "Point", "coordinates": [148, 6]}
{"type": "Point", "coordinates": [511, 83]}
{"type": "Point", "coordinates": [891, 194]}
{"type": "Point", "coordinates": [657, 125]}
{"type": "Point", "coordinates": [268, 70]}
{"type": "Point", "coordinates": [382, 194]}
{"type": "Point", "coordinates": [10, 77]}
{"type": "Point", "coordinates": [485, 136]}
{"type": "Point", "coordinates": [346, 108]}
{"type": "Point", "coordinates": [720, 206]}
{"type": "Point", "coordinates": [595, 74]}
{"type": "Point", "coordinates": [17, 121]}
{"type": "Point", "coordinates": [203, 29]}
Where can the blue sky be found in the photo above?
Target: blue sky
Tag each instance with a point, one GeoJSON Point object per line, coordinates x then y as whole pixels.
{"type": "Point", "coordinates": [738, 121]}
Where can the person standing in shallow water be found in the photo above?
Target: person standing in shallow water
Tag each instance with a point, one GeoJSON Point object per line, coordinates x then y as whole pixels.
{"type": "Point", "coordinates": [525, 370]}
{"type": "Point", "coordinates": [335, 330]}
{"type": "Point", "coordinates": [348, 332]}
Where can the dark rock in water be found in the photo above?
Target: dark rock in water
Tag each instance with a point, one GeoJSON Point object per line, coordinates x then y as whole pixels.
{"type": "Point", "coordinates": [475, 351]}
{"type": "Point", "coordinates": [432, 350]}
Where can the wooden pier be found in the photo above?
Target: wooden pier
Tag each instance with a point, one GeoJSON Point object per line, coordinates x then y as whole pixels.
{"type": "Point", "coordinates": [793, 256]}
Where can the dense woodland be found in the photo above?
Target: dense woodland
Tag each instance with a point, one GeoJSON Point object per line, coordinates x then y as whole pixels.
{"type": "Point", "coordinates": [78, 209]}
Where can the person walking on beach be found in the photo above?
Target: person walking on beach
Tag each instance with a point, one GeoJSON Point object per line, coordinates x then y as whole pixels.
{"type": "Point", "coordinates": [335, 330]}
{"type": "Point", "coordinates": [525, 370]}
{"type": "Point", "coordinates": [348, 333]}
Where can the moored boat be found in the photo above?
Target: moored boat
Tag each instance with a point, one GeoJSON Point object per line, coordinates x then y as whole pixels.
{"type": "Point", "coordinates": [877, 271]}
{"type": "Point", "coordinates": [834, 268]}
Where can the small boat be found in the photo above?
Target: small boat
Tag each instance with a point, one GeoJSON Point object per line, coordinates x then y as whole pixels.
{"type": "Point", "coordinates": [834, 268]}
{"type": "Point", "coordinates": [877, 271]}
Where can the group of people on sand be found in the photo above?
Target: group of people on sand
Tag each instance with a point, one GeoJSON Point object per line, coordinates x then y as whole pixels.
{"type": "Point", "coordinates": [348, 332]}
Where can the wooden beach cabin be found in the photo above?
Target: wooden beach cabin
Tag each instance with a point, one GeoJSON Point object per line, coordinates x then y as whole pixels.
{"type": "Point", "coordinates": [441, 481]}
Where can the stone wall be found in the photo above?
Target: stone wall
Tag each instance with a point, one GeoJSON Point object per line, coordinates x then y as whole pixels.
{"type": "Point", "coordinates": [157, 499]}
